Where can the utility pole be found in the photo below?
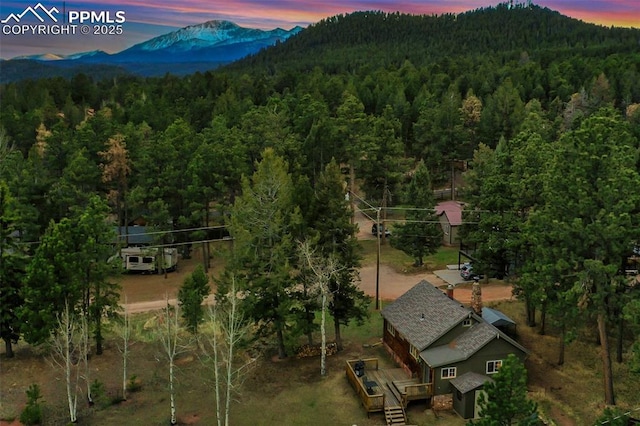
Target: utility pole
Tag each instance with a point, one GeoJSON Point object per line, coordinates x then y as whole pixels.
{"type": "Point", "coordinates": [378, 259]}
{"type": "Point", "coordinates": [453, 180]}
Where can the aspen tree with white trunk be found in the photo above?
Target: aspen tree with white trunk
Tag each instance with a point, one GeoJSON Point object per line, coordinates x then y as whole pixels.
{"type": "Point", "coordinates": [124, 332]}
{"type": "Point", "coordinates": [66, 350]}
{"type": "Point", "coordinates": [230, 328]}
{"type": "Point", "coordinates": [322, 271]}
{"type": "Point", "coordinates": [169, 336]}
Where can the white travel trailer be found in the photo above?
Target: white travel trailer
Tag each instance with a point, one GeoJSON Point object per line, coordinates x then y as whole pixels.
{"type": "Point", "coordinates": [147, 259]}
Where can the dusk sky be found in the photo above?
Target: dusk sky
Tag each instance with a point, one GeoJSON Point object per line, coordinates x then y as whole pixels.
{"type": "Point", "coordinates": [141, 20]}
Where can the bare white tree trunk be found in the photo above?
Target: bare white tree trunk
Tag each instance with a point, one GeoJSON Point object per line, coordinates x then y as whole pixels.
{"type": "Point", "coordinates": [230, 324]}
{"type": "Point", "coordinates": [169, 337]}
{"type": "Point", "coordinates": [66, 350]}
{"type": "Point", "coordinates": [84, 354]}
{"type": "Point", "coordinates": [213, 316]}
{"type": "Point", "coordinates": [323, 332]}
{"type": "Point", "coordinates": [233, 332]}
{"type": "Point", "coordinates": [125, 335]}
{"type": "Point", "coordinates": [323, 269]}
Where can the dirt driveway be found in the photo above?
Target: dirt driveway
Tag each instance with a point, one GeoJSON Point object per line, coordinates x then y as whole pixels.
{"type": "Point", "coordinates": [393, 284]}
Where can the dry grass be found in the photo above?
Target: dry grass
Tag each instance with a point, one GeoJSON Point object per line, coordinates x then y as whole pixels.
{"type": "Point", "coordinates": [291, 391]}
{"type": "Point", "coordinates": [572, 393]}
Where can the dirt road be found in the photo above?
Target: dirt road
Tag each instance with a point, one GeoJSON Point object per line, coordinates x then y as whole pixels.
{"type": "Point", "coordinates": [391, 285]}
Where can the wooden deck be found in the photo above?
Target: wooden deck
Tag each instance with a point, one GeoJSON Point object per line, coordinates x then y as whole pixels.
{"type": "Point", "coordinates": [387, 389]}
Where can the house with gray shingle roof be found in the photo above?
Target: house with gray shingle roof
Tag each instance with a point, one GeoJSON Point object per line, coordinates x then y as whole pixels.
{"type": "Point", "coordinates": [440, 341]}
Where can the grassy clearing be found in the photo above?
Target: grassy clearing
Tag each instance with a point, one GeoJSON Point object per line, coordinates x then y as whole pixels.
{"type": "Point", "coordinates": [403, 263]}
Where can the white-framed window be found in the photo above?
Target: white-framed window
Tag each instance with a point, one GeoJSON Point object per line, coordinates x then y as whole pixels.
{"type": "Point", "coordinates": [448, 373]}
{"type": "Point", "coordinates": [467, 323]}
{"type": "Point", "coordinates": [493, 366]}
{"type": "Point", "coordinates": [414, 352]}
{"type": "Point", "coordinates": [391, 329]}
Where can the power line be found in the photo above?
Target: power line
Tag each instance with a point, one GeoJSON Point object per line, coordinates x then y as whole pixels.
{"type": "Point", "coordinates": [627, 414]}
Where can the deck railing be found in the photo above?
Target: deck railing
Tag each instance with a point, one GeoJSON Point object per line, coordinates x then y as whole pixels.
{"type": "Point", "coordinates": [372, 403]}
{"type": "Point", "coordinates": [417, 392]}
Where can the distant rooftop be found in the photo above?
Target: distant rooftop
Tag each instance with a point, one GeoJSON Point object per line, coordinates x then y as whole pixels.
{"type": "Point", "coordinates": [452, 210]}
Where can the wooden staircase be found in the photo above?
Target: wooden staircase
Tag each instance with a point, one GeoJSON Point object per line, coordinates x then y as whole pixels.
{"type": "Point", "coordinates": [395, 415]}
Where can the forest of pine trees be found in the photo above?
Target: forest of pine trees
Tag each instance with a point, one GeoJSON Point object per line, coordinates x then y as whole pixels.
{"type": "Point", "coordinates": [377, 96]}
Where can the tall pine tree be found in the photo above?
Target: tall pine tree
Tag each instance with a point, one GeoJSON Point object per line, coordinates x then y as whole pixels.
{"type": "Point", "coordinates": [421, 234]}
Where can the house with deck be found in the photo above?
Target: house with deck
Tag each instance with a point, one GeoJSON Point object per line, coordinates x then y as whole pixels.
{"type": "Point", "coordinates": [438, 340]}
{"type": "Point", "coordinates": [441, 348]}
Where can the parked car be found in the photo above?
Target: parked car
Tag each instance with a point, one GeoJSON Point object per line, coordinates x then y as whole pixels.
{"type": "Point", "coordinates": [466, 272]}
{"type": "Point", "coordinates": [374, 230]}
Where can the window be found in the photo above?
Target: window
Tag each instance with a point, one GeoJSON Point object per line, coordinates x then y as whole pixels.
{"type": "Point", "coordinates": [448, 373]}
{"type": "Point", "coordinates": [414, 351]}
{"type": "Point", "coordinates": [134, 259]}
{"type": "Point", "coordinates": [493, 366]}
{"type": "Point", "coordinates": [467, 323]}
{"type": "Point", "coordinates": [390, 329]}
{"type": "Point", "coordinates": [147, 260]}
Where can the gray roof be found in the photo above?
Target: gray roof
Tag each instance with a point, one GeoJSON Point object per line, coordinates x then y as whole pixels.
{"type": "Point", "coordinates": [496, 318]}
{"type": "Point", "coordinates": [460, 349]}
{"type": "Point", "coordinates": [423, 314]}
{"type": "Point", "coordinates": [469, 381]}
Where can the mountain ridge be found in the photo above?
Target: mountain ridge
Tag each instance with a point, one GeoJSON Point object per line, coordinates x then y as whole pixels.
{"type": "Point", "coordinates": [192, 48]}
{"type": "Point", "coordinates": [370, 38]}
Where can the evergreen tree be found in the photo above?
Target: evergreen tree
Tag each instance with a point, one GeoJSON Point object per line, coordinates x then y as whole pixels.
{"type": "Point", "coordinates": [101, 293]}
{"type": "Point", "coordinates": [264, 221]}
{"type": "Point", "coordinates": [336, 236]}
{"type": "Point", "coordinates": [421, 234]}
{"type": "Point", "coordinates": [505, 401]}
{"type": "Point", "coordinates": [52, 280]}
{"type": "Point", "coordinates": [190, 297]}
{"type": "Point", "coordinates": [70, 266]}
{"type": "Point", "coordinates": [12, 260]}
{"type": "Point", "coordinates": [589, 221]}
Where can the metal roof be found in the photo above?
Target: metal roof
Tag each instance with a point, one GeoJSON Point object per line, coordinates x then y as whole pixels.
{"type": "Point", "coordinates": [496, 318]}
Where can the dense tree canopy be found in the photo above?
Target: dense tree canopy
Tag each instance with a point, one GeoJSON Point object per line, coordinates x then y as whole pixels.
{"type": "Point", "coordinates": [377, 92]}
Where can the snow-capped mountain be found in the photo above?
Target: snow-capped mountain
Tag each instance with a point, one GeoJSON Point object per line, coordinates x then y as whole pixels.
{"type": "Point", "coordinates": [59, 57]}
{"type": "Point", "coordinates": [194, 48]}
{"type": "Point", "coordinates": [209, 34]}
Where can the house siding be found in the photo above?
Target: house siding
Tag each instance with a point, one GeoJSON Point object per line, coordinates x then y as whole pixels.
{"type": "Point", "coordinates": [398, 346]}
{"type": "Point", "coordinates": [464, 403]}
{"type": "Point", "coordinates": [494, 350]}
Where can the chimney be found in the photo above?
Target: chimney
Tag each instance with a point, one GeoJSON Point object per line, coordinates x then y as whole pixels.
{"type": "Point", "coordinates": [476, 298]}
{"type": "Point", "coordinates": [450, 291]}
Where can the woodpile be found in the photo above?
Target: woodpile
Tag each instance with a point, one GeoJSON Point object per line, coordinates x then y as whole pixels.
{"type": "Point", "coordinates": [306, 351]}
